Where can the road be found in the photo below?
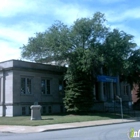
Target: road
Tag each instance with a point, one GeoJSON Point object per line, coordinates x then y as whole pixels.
{"type": "Point", "coordinates": [106, 132]}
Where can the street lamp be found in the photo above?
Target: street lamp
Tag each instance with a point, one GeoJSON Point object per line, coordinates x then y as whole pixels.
{"type": "Point", "coordinates": [120, 105]}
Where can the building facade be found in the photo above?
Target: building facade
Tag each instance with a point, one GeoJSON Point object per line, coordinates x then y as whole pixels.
{"type": "Point", "coordinates": [23, 84]}
{"type": "Point", "coordinates": [107, 95]}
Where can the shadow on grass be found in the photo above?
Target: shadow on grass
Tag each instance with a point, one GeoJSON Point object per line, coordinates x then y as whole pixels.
{"type": "Point", "coordinates": [99, 114]}
{"type": "Point", "coordinates": [48, 119]}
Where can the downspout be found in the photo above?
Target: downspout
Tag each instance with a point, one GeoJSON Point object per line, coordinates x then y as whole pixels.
{"type": "Point", "coordinates": [3, 93]}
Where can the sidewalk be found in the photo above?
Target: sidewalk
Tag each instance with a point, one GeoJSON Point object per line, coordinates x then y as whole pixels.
{"type": "Point", "coordinates": [35, 129]}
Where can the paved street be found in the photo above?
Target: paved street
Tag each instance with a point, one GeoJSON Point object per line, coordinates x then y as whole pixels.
{"type": "Point", "coordinates": [106, 132]}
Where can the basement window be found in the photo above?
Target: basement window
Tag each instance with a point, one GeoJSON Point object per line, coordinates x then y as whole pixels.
{"type": "Point", "coordinates": [23, 110]}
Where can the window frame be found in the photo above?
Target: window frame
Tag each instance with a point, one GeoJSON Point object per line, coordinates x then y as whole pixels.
{"type": "Point", "coordinates": [44, 110]}
{"type": "Point", "coordinates": [26, 86]}
{"type": "Point", "coordinates": [125, 89]}
{"type": "Point", "coordinates": [47, 86]}
{"type": "Point", "coordinates": [49, 109]}
{"type": "Point", "coordinates": [23, 110]}
{"type": "Point", "coordinates": [61, 87]}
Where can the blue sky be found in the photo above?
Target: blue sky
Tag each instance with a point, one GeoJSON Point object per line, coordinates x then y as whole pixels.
{"type": "Point", "coordinates": [21, 19]}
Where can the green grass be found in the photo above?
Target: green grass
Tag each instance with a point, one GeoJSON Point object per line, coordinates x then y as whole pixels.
{"type": "Point", "coordinates": [56, 119]}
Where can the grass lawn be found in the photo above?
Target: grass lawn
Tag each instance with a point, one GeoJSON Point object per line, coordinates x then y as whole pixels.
{"type": "Point", "coordinates": [56, 119]}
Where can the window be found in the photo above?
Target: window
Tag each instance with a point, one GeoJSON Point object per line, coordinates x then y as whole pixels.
{"type": "Point", "coordinates": [60, 85]}
{"type": "Point", "coordinates": [26, 85]}
{"type": "Point", "coordinates": [49, 109]}
{"type": "Point", "coordinates": [44, 109]}
{"type": "Point", "coordinates": [29, 110]}
{"type": "Point", "coordinates": [23, 110]}
{"type": "Point", "coordinates": [125, 89]}
{"type": "Point", "coordinates": [45, 86]}
{"type": "Point", "coordinates": [61, 108]}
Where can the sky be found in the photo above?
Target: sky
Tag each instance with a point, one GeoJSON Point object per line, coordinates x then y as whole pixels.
{"type": "Point", "coordinates": [21, 19]}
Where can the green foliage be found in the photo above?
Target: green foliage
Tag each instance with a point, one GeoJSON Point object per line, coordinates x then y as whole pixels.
{"type": "Point", "coordinates": [116, 51]}
{"type": "Point", "coordinates": [78, 93]}
{"type": "Point", "coordinates": [59, 42]}
{"type": "Point", "coordinates": [134, 67]}
{"type": "Point", "coordinates": [134, 71]}
{"type": "Point", "coordinates": [86, 46]}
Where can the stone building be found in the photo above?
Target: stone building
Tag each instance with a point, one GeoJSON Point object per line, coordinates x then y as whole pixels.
{"type": "Point", "coordinates": [107, 95]}
{"type": "Point", "coordinates": [23, 84]}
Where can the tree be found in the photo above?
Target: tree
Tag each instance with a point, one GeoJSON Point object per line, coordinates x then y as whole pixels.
{"type": "Point", "coordinates": [79, 96]}
{"type": "Point", "coordinates": [134, 74]}
{"type": "Point", "coordinates": [116, 50]}
{"type": "Point", "coordinates": [78, 46]}
{"type": "Point", "coordinates": [86, 46]}
{"type": "Point", "coordinates": [85, 35]}
{"type": "Point", "coordinates": [60, 41]}
{"type": "Point", "coordinates": [53, 44]}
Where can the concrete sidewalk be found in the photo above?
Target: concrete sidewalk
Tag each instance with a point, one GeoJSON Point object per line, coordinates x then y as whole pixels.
{"type": "Point", "coordinates": [35, 129]}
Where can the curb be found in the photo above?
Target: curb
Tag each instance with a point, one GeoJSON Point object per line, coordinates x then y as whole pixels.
{"type": "Point", "coordinates": [94, 125]}
{"type": "Point", "coordinates": [67, 128]}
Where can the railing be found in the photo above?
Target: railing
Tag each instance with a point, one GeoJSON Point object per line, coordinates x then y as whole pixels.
{"type": "Point", "coordinates": [115, 107]}
{"type": "Point", "coordinates": [126, 111]}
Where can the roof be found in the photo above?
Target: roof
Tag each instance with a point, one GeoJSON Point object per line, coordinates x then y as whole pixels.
{"type": "Point", "coordinates": [19, 64]}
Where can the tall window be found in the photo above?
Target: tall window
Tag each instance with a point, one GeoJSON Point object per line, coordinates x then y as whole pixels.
{"type": "Point", "coordinates": [26, 85]}
{"type": "Point", "coordinates": [45, 86]}
{"type": "Point", "coordinates": [60, 85]}
{"type": "Point", "coordinates": [125, 89]}
{"type": "Point", "coordinates": [44, 109]}
{"type": "Point", "coordinates": [49, 109]}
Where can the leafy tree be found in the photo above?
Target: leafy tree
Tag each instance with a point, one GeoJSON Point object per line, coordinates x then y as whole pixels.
{"type": "Point", "coordinates": [79, 96]}
{"type": "Point", "coordinates": [134, 67]}
{"type": "Point", "coordinates": [78, 46]}
{"type": "Point", "coordinates": [51, 45]}
{"type": "Point", "coordinates": [134, 73]}
{"type": "Point", "coordinates": [86, 35]}
{"type": "Point", "coordinates": [116, 50]}
{"type": "Point", "coordinates": [86, 46]}
{"type": "Point", "coordinates": [60, 41]}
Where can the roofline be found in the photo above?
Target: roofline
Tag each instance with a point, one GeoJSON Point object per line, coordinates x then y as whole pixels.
{"type": "Point", "coordinates": [30, 62]}
{"type": "Point", "coordinates": [42, 66]}
{"type": "Point", "coordinates": [7, 60]}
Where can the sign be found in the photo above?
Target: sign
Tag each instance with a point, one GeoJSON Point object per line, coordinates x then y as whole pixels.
{"type": "Point", "coordinates": [104, 78]}
{"type": "Point", "coordinates": [133, 134]}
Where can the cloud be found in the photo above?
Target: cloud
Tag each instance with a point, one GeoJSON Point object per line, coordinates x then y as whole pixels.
{"type": "Point", "coordinates": [110, 1]}
{"type": "Point", "coordinates": [128, 30]}
{"type": "Point", "coordinates": [125, 21]}
{"type": "Point", "coordinates": [8, 52]}
{"type": "Point", "coordinates": [69, 13]}
{"type": "Point", "coordinates": [11, 8]}
{"type": "Point", "coordinates": [21, 19]}
{"type": "Point", "coordinates": [106, 1]}
{"type": "Point", "coordinates": [13, 37]}
{"type": "Point", "coordinates": [118, 16]}
{"type": "Point", "coordinates": [20, 33]}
